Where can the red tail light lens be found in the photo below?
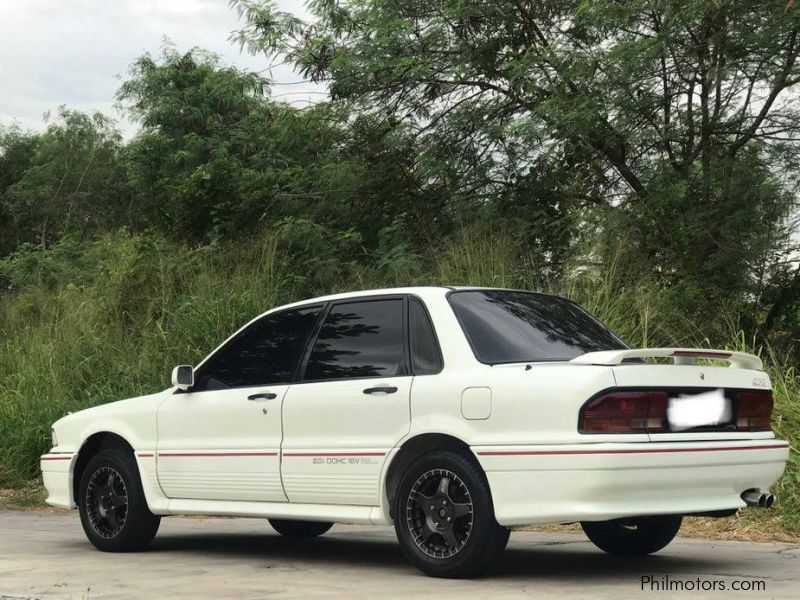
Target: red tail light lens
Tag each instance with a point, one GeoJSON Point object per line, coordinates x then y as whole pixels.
{"type": "Point", "coordinates": [755, 411]}
{"type": "Point", "coordinates": [645, 411]}
{"type": "Point", "coordinates": [625, 412]}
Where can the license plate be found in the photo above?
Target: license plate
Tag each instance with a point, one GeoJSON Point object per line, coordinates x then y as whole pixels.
{"type": "Point", "coordinates": [698, 410]}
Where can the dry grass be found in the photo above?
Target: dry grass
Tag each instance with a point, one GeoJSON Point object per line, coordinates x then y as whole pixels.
{"type": "Point", "coordinates": [29, 497]}
{"type": "Point", "coordinates": [746, 526]}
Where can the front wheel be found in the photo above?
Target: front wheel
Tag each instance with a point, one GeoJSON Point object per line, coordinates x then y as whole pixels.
{"type": "Point", "coordinates": [633, 537]}
{"type": "Point", "coordinates": [444, 517]}
{"type": "Point", "coordinates": [299, 529]}
{"type": "Point", "coordinates": [112, 506]}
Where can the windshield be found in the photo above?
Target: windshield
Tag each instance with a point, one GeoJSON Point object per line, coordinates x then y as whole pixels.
{"type": "Point", "coordinates": [505, 326]}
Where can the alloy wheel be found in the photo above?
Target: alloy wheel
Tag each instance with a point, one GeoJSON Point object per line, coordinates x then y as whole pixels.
{"type": "Point", "coordinates": [439, 513]}
{"type": "Point", "coordinates": [107, 502]}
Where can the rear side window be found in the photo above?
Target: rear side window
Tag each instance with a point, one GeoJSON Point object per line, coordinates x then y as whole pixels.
{"type": "Point", "coordinates": [266, 352]}
{"type": "Point", "coordinates": [426, 359]}
{"type": "Point", "coordinates": [506, 326]}
{"type": "Point", "coordinates": [359, 339]}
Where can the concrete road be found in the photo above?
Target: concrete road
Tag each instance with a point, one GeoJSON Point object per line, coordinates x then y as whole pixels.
{"type": "Point", "coordinates": [45, 555]}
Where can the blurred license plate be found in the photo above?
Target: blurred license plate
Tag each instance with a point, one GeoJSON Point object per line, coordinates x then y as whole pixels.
{"type": "Point", "coordinates": [698, 410]}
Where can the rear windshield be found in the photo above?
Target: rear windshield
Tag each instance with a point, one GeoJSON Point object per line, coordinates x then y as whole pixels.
{"type": "Point", "coordinates": [508, 326]}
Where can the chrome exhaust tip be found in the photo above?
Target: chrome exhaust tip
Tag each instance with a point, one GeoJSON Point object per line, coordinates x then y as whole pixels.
{"type": "Point", "coordinates": [758, 498]}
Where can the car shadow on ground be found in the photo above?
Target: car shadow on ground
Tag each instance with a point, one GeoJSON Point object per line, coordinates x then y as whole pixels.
{"type": "Point", "coordinates": [571, 560]}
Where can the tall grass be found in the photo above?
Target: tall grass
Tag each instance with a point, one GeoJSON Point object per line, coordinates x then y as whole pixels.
{"type": "Point", "coordinates": [147, 305]}
{"type": "Point", "coordinates": [104, 320]}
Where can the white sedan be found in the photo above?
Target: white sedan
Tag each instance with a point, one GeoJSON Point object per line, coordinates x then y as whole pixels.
{"type": "Point", "coordinates": [453, 413]}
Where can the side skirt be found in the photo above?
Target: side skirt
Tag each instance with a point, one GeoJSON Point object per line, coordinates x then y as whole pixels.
{"type": "Point", "coordinates": [336, 513]}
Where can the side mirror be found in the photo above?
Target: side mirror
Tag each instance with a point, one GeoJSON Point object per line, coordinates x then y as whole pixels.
{"type": "Point", "coordinates": [183, 377]}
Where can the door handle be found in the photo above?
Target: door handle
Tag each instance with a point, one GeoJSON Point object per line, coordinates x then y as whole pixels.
{"type": "Point", "coordinates": [263, 396]}
{"type": "Point", "coordinates": [386, 389]}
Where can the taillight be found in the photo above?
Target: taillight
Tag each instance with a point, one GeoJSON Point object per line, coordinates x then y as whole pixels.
{"type": "Point", "coordinates": [645, 411]}
{"type": "Point", "coordinates": [625, 412]}
{"type": "Point", "coordinates": [755, 411]}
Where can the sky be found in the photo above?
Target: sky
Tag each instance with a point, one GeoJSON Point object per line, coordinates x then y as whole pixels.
{"type": "Point", "coordinates": [76, 52]}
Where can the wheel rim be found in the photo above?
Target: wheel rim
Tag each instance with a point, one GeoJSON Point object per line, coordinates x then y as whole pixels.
{"type": "Point", "coordinates": [439, 513]}
{"type": "Point", "coordinates": [107, 502]}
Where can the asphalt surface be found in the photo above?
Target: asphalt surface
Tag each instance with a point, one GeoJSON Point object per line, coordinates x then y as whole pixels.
{"type": "Point", "coordinates": [45, 555]}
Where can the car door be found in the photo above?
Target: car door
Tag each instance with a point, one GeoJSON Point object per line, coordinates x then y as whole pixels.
{"type": "Point", "coordinates": [220, 440]}
{"type": "Point", "coordinates": [351, 405]}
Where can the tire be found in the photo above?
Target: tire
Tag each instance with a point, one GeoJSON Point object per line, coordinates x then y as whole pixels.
{"type": "Point", "coordinates": [299, 529]}
{"type": "Point", "coordinates": [633, 537]}
{"type": "Point", "coordinates": [444, 517]}
{"type": "Point", "coordinates": [111, 502]}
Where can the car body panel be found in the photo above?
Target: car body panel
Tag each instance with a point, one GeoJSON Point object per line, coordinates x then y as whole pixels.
{"type": "Point", "coordinates": [595, 482]}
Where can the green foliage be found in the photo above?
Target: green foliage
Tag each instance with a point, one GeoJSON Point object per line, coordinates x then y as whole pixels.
{"type": "Point", "coordinates": [672, 119]}
{"type": "Point", "coordinates": [215, 157]}
{"type": "Point", "coordinates": [113, 325]}
{"type": "Point", "coordinates": [62, 181]}
{"type": "Point", "coordinates": [113, 329]}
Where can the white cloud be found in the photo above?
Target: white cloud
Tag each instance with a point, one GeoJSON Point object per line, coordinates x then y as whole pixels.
{"type": "Point", "coordinates": [74, 53]}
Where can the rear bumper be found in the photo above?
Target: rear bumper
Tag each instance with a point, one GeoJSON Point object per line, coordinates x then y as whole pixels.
{"type": "Point", "coordinates": [57, 477]}
{"type": "Point", "coordinates": [595, 482]}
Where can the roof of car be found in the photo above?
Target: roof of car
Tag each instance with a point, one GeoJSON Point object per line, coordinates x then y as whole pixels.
{"type": "Point", "coordinates": [378, 292]}
{"type": "Point", "coordinates": [423, 289]}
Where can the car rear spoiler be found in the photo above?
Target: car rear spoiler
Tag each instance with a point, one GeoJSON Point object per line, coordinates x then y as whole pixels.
{"type": "Point", "coordinates": [679, 356]}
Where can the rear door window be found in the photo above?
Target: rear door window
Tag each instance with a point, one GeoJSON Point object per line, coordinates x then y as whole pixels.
{"type": "Point", "coordinates": [426, 358]}
{"type": "Point", "coordinates": [359, 339]}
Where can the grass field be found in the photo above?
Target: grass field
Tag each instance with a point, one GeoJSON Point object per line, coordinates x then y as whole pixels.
{"type": "Point", "coordinates": [94, 322]}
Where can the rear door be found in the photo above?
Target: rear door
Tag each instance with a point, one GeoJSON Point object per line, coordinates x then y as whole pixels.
{"type": "Point", "coordinates": [351, 406]}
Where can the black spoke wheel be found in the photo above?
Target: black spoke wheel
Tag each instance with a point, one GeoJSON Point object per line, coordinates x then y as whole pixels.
{"type": "Point", "coordinates": [439, 513]}
{"type": "Point", "coordinates": [634, 536]}
{"type": "Point", "coordinates": [444, 517]}
{"type": "Point", "coordinates": [111, 502]}
{"type": "Point", "coordinates": [107, 502]}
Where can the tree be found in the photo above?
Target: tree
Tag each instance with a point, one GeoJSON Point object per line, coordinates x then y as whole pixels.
{"type": "Point", "coordinates": [17, 149]}
{"type": "Point", "coordinates": [216, 157]}
{"type": "Point", "coordinates": [651, 109]}
{"type": "Point", "coordinates": [65, 179]}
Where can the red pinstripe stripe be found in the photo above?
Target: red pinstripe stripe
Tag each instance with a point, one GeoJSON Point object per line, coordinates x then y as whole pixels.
{"type": "Point", "coordinates": [56, 457]}
{"type": "Point", "coordinates": [642, 451]}
{"type": "Point", "coordinates": [183, 454]}
{"type": "Point", "coordinates": [334, 453]}
{"type": "Point", "coordinates": [146, 455]}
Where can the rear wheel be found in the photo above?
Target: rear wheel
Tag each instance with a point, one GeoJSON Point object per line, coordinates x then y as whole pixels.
{"type": "Point", "coordinates": [112, 506]}
{"type": "Point", "coordinates": [299, 529]}
{"type": "Point", "coordinates": [444, 517]}
{"type": "Point", "coordinates": [633, 537]}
